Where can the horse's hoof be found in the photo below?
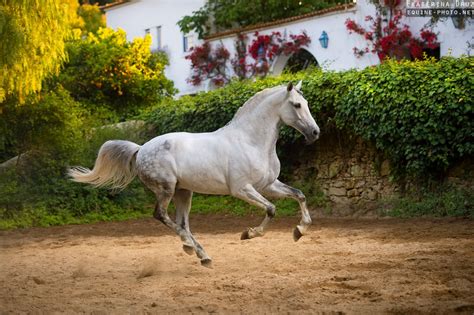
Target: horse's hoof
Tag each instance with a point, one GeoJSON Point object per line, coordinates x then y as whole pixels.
{"type": "Point", "coordinates": [245, 235]}
{"type": "Point", "coordinates": [296, 234]}
{"type": "Point", "coordinates": [188, 249]}
{"type": "Point", "coordinates": [206, 263]}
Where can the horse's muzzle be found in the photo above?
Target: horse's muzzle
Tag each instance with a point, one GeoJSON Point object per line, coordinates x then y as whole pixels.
{"type": "Point", "coordinates": [312, 136]}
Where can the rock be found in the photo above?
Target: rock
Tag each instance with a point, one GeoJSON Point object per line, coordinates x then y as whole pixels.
{"type": "Point", "coordinates": [334, 168]}
{"type": "Point", "coordinates": [372, 195]}
{"type": "Point", "coordinates": [360, 184]}
{"type": "Point", "coordinates": [338, 184]}
{"type": "Point", "coordinates": [385, 168]}
{"type": "Point", "coordinates": [357, 171]}
{"type": "Point", "coordinates": [340, 200]}
{"type": "Point", "coordinates": [336, 191]}
{"type": "Point", "coordinates": [377, 187]}
{"type": "Point", "coordinates": [350, 184]}
{"type": "Point", "coordinates": [322, 171]}
{"type": "Point", "coordinates": [38, 280]}
{"type": "Point", "coordinates": [353, 193]}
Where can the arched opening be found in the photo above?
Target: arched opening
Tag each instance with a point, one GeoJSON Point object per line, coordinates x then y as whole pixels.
{"type": "Point", "coordinates": [301, 60]}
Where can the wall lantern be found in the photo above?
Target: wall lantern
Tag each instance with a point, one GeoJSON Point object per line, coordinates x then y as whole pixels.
{"type": "Point", "coordinates": [324, 39]}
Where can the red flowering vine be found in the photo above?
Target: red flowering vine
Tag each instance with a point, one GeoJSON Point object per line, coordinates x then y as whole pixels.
{"type": "Point", "coordinates": [208, 63]}
{"type": "Point", "coordinates": [392, 39]}
{"type": "Point", "coordinates": [265, 48]}
{"type": "Point", "coordinates": [239, 62]}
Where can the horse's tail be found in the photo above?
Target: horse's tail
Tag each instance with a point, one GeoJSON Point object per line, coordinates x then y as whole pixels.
{"type": "Point", "coordinates": [114, 166]}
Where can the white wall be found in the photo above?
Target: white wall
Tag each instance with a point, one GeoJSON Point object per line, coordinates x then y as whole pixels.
{"type": "Point", "coordinates": [136, 16]}
{"type": "Point", "coordinates": [453, 40]}
{"type": "Point", "coordinates": [339, 54]}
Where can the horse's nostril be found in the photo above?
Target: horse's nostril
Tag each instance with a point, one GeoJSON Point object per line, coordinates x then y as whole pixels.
{"type": "Point", "coordinates": [315, 132]}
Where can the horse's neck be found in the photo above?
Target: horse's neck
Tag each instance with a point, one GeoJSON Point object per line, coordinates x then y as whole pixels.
{"type": "Point", "coordinates": [261, 125]}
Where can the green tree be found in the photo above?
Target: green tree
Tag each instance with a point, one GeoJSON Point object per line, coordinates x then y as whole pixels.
{"type": "Point", "coordinates": [32, 35]}
{"type": "Point", "coordinates": [93, 18]}
{"type": "Point", "coordinates": [106, 71]}
{"type": "Point", "coordinates": [218, 15]}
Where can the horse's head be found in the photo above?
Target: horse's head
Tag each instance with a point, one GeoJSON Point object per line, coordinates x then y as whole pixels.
{"type": "Point", "coordinates": [295, 113]}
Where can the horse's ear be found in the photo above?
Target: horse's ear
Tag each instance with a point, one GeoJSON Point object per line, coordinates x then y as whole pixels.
{"type": "Point", "coordinates": [289, 87]}
{"type": "Point", "coordinates": [298, 86]}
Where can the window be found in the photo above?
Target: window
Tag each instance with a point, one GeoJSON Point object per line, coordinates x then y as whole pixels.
{"type": "Point", "coordinates": [158, 37]}
{"type": "Point", "coordinates": [188, 42]}
{"type": "Point", "coordinates": [155, 33]}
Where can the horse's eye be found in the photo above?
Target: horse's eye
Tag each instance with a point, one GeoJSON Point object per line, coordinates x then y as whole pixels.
{"type": "Point", "coordinates": [297, 105]}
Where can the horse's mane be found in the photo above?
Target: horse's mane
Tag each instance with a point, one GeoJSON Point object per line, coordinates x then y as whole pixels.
{"type": "Point", "coordinates": [253, 102]}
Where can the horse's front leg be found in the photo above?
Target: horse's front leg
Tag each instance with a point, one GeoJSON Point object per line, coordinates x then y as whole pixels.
{"type": "Point", "coordinates": [252, 196]}
{"type": "Point", "coordinates": [279, 190]}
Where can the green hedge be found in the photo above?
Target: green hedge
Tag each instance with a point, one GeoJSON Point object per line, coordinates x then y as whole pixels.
{"type": "Point", "coordinates": [419, 113]}
{"type": "Point", "coordinates": [51, 132]}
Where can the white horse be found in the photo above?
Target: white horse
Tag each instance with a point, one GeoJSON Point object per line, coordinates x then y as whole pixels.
{"type": "Point", "coordinates": [238, 159]}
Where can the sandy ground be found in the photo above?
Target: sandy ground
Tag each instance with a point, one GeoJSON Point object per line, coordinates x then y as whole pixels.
{"type": "Point", "coordinates": [365, 266]}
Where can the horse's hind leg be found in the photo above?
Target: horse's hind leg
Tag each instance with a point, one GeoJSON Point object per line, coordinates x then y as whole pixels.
{"type": "Point", "coordinates": [279, 190]}
{"type": "Point", "coordinates": [182, 200]}
{"type": "Point", "coordinates": [249, 194]}
{"type": "Point", "coordinates": [164, 194]}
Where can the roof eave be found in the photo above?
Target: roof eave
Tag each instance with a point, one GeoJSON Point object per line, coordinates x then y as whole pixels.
{"type": "Point", "coordinates": [116, 5]}
{"type": "Point", "coordinates": [249, 28]}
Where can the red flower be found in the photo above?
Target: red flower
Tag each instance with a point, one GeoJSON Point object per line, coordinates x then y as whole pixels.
{"type": "Point", "coordinates": [415, 49]}
{"type": "Point", "coordinates": [389, 38]}
{"type": "Point", "coordinates": [352, 26]}
{"type": "Point", "coordinates": [207, 63]}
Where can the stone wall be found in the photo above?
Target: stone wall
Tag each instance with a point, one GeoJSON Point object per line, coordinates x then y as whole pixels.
{"type": "Point", "coordinates": [353, 174]}
{"type": "Point", "coordinates": [348, 170]}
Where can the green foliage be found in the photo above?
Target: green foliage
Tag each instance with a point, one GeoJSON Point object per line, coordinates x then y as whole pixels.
{"type": "Point", "coordinates": [105, 79]}
{"type": "Point", "coordinates": [37, 192]}
{"type": "Point", "coordinates": [218, 15]}
{"type": "Point", "coordinates": [93, 18]}
{"type": "Point", "coordinates": [32, 44]}
{"type": "Point", "coordinates": [41, 124]}
{"type": "Point", "coordinates": [106, 72]}
{"type": "Point", "coordinates": [441, 202]}
{"type": "Point", "coordinates": [419, 113]}
{"type": "Point", "coordinates": [41, 216]}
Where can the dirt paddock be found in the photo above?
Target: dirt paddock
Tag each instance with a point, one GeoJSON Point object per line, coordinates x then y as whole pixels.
{"type": "Point", "coordinates": [365, 266]}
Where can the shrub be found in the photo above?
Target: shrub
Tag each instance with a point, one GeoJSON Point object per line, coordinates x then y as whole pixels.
{"type": "Point", "coordinates": [105, 70]}
{"type": "Point", "coordinates": [46, 122]}
{"type": "Point", "coordinates": [419, 113]}
{"type": "Point", "coordinates": [48, 133]}
{"type": "Point", "coordinates": [439, 202]}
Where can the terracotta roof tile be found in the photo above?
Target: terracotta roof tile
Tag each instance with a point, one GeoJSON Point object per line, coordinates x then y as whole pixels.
{"type": "Point", "coordinates": [113, 4]}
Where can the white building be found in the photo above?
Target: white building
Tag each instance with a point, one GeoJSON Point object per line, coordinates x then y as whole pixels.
{"type": "Point", "coordinates": [159, 18]}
